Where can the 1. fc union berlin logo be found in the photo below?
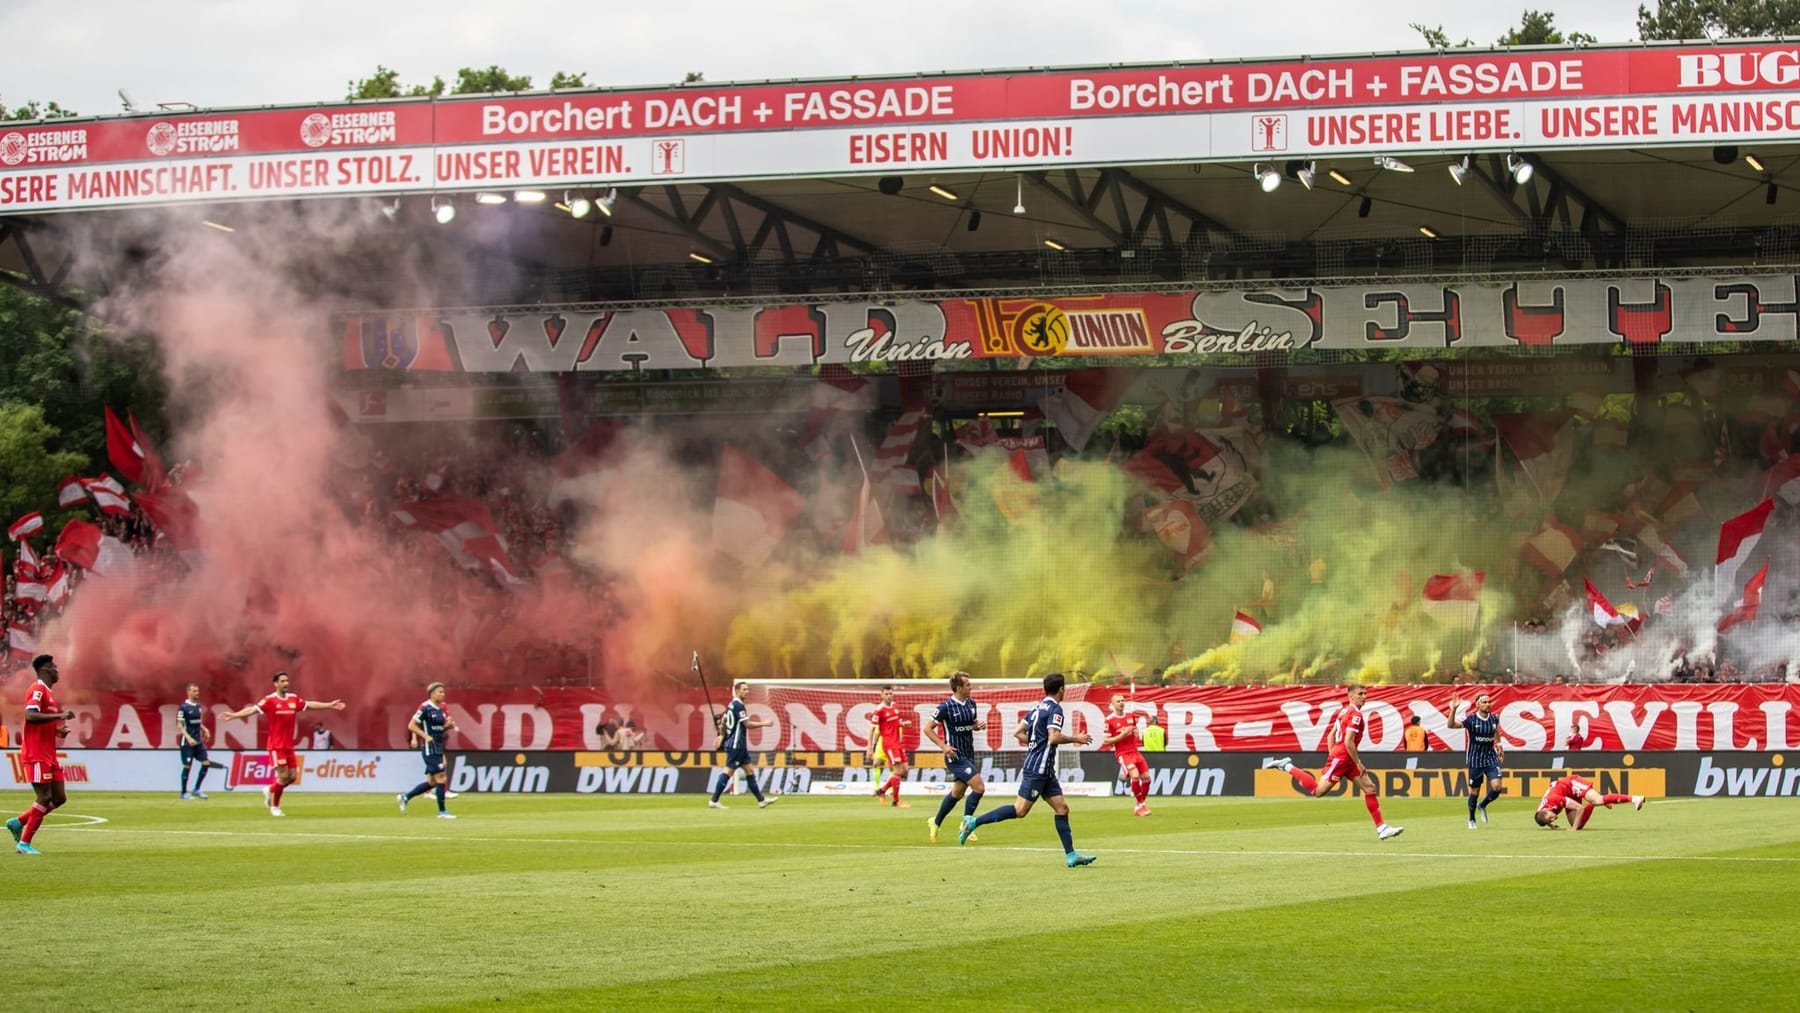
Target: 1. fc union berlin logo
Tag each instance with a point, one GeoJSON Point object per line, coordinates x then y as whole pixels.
{"type": "Point", "coordinates": [12, 148]}
{"type": "Point", "coordinates": [315, 130]}
{"type": "Point", "coordinates": [161, 138]}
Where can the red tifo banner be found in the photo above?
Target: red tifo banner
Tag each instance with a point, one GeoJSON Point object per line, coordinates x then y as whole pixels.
{"type": "Point", "coordinates": [1201, 718]}
{"type": "Point", "coordinates": [1595, 97]}
{"type": "Point", "coordinates": [1112, 328]}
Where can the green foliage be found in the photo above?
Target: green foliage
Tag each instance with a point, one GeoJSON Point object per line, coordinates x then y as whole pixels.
{"type": "Point", "coordinates": [1535, 28]}
{"type": "Point", "coordinates": [1435, 37]}
{"type": "Point", "coordinates": [563, 79]}
{"type": "Point", "coordinates": [31, 467]}
{"type": "Point", "coordinates": [694, 77]}
{"type": "Point", "coordinates": [385, 83]}
{"type": "Point", "coordinates": [1718, 19]}
{"type": "Point", "coordinates": [470, 81]}
{"type": "Point", "coordinates": [35, 110]}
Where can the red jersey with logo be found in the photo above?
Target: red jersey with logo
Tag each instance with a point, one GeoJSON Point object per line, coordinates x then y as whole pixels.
{"type": "Point", "coordinates": [1132, 743]}
{"type": "Point", "coordinates": [283, 714]}
{"type": "Point", "coordinates": [887, 723]}
{"type": "Point", "coordinates": [1564, 790]}
{"type": "Point", "coordinates": [1347, 727]}
{"type": "Point", "coordinates": [37, 742]}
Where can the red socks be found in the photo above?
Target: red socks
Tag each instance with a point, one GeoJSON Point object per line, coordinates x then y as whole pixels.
{"type": "Point", "coordinates": [1610, 800]}
{"type": "Point", "coordinates": [32, 818]}
{"type": "Point", "coordinates": [275, 794]}
{"type": "Point", "coordinates": [891, 785]}
{"type": "Point", "coordinates": [1140, 789]}
{"type": "Point", "coordinates": [1586, 811]}
{"type": "Point", "coordinates": [1374, 805]}
{"type": "Point", "coordinates": [1306, 781]}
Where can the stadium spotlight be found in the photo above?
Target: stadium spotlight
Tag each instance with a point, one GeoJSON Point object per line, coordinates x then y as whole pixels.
{"type": "Point", "coordinates": [1342, 180]}
{"type": "Point", "coordinates": [1266, 177]}
{"type": "Point", "coordinates": [1428, 232]}
{"type": "Point", "coordinates": [528, 196]}
{"type": "Point", "coordinates": [1054, 245]}
{"type": "Point", "coordinates": [1307, 173]}
{"type": "Point", "coordinates": [1019, 196]}
{"type": "Point", "coordinates": [490, 198]}
{"type": "Point", "coordinates": [1363, 209]}
{"type": "Point", "coordinates": [699, 258]}
{"type": "Point", "coordinates": [890, 185]}
{"type": "Point", "coordinates": [1754, 162]}
{"type": "Point", "coordinates": [1392, 164]}
{"type": "Point", "coordinates": [944, 192]}
{"type": "Point", "coordinates": [577, 205]}
{"type": "Point", "coordinates": [1519, 168]}
{"type": "Point", "coordinates": [607, 200]}
{"type": "Point", "coordinates": [209, 223]}
{"type": "Point", "coordinates": [1459, 171]}
{"type": "Point", "coordinates": [445, 212]}
{"type": "Point", "coordinates": [1725, 154]}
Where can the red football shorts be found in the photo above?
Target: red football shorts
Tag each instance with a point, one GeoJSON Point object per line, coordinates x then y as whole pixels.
{"type": "Point", "coordinates": [1339, 767]}
{"type": "Point", "coordinates": [895, 755]}
{"type": "Point", "coordinates": [284, 758]}
{"type": "Point", "coordinates": [43, 773]}
{"type": "Point", "coordinates": [1129, 762]}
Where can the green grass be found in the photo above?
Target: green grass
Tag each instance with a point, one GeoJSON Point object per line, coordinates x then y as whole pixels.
{"type": "Point", "coordinates": [829, 903]}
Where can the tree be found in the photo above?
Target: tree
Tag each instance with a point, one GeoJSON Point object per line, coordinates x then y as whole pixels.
{"type": "Point", "coordinates": [563, 79]}
{"type": "Point", "coordinates": [385, 83]}
{"type": "Point", "coordinates": [1718, 19]}
{"type": "Point", "coordinates": [32, 468]}
{"type": "Point", "coordinates": [34, 110]}
{"type": "Point", "coordinates": [1535, 28]}
{"type": "Point", "coordinates": [470, 81]}
{"type": "Point", "coordinates": [694, 77]}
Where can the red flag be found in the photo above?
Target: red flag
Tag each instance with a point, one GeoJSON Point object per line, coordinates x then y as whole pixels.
{"type": "Point", "coordinates": [109, 496]}
{"type": "Point", "coordinates": [752, 509]}
{"type": "Point", "coordinates": [1604, 613]}
{"type": "Point", "coordinates": [155, 475]}
{"type": "Point", "coordinates": [893, 458]}
{"type": "Point", "coordinates": [125, 453]}
{"type": "Point", "coordinates": [1784, 480]}
{"type": "Point", "coordinates": [26, 566]}
{"type": "Point", "coordinates": [20, 641]}
{"type": "Point", "coordinates": [1178, 525]}
{"type": "Point", "coordinates": [57, 575]}
{"type": "Point", "coordinates": [1243, 626]}
{"type": "Point", "coordinates": [174, 515]}
{"type": "Point", "coordinates": [70, 491]}
{"type": "Point", "coordinates": [839, 395]}
{"type": "Point", "coordinates": [1086, 398]}
{"type": "Point", "coordinates": [1454, 598]}
{"type": "Point", "coordinates": [1737, 538]}
{"type": "Point", "coordinates": [1553, 548]}
{"type": "Point", "coordinates": [1751, 601]}
{"type": "Point", "coordinates": [26, 526]}
{"type": "Point", "coordinates": [457, 521]}
{"type": "Point", "coordinates": [1544, 444]}
{"type": "Point", "coordinates": [79, 543]}
{"type": "Point", "coordinates": [31, 591]}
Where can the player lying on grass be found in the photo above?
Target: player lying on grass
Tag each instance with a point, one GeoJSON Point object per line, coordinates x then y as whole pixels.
{"type": "Point", "coordinates": [1579, 798]}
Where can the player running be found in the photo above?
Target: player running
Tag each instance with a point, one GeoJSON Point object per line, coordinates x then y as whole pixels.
{"type": "Point", "coordinates": [429, 726]}
{"type": "Point", "coordinates": [959, 719]}
{"type": "Point", "coordinates": [734, 738]}
{"type": "Point", "coordinates": [1573, 793]}
{"type": "Point", "coordinates": [45, 722]}
{"type": "Point", "coordinates": [1122, 738]}
{"type": "Point", "coordinates": [283, 712]}
{"type": "Point", "coordinates": [887, 725]}
{"type": "Point", "coordinates": [193, 735]}
{"type": "Point", "coordinates": [1040, 732]}
{"type": "Point", "coordinates": [1483, 752]}
{"type": "Point", "coordinates": [1343, 762]}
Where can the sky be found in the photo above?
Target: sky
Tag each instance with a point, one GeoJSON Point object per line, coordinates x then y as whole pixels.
{"type": "Point", "coordinates": [226, 53]}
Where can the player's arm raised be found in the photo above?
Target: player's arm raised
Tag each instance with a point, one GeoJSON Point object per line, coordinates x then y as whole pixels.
{"type": "Point", "coordinates": [242, 712]}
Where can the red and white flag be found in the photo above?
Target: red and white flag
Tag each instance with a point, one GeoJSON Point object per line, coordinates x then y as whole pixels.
{"type": "Point", "coordinates": [893, 465]}
{"type": "Point", "coordinates": [457, 521]}
{"type": "Point", "coordinates": [58, 577]}
{"type": "Point", "coordinates": [31, 590]}
{"type": "Point", "coordinates": [839, 396]}
{"type": "Point", "coordinates": [1544, 444]}
{"type": "Point", "coordinates": [108, 495]}
{"type": "Point", "coordinates": [1088, 395]}
{"type": "Point", "coordinates": [1665, 605]}
{"type": "Point", "coordinates": [20, 641]}
{"type": "Point", "coordinates": [866, 525]}
{"type": "Point", "coordinates": [123, 449]}
{"type": "Point", "coordinates": [70, 491]}
{"type": "Point", "coordinates": [1178, 526]}
{"type": "Point", "coordinates": [1454, 598]}
{"type": "Point", "coordinates": [1737, 539]}
{"type": "Point", "coordinates": [1784, 480]}
{"type": "Point", "coordinates": [1603, 611]}
{"type": "Point", "coordinates": [1243, 627]}
{"type": "Point", "coordinates": [86, 546]}
{"type": "Point", "coordinates": [1746, 607]}
{"type": "Point", "coordinates": [752, 508]}
{"type": "Point", "coordinates": [1664, 554]}
{"type": "Point", "coordinates": [26, 526]}
{"type": "Point", "coordinates": [26, 566]}
{"type": "Point", "coordinates": [1552, 548]}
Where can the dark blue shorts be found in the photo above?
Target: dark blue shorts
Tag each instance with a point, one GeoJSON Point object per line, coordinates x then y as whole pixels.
{"type": "Point", "coordinates": [1035, 786]}
{"type": "Point", "coordinates": [195, 753]}
{"type": "Point", "coordinates": [737, 758]}
{"type": "Point", "coordinates": [960, 769]}
{"type": "Point", "coordinates": [1482, 773]}
{"type": "Point", "coordinates": [434, 760]}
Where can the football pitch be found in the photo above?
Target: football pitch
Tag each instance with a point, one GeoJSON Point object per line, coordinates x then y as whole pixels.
{"type": "Point", "coordinates": [569, 902]}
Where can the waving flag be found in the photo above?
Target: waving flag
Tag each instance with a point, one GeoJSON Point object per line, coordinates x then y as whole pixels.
{"type": "Point", "coordinates": [93, 550]}
{"type": "Point", "coordinates": [70, 491]}
{"type": "Point", "coordinates": [123, 449]}
{"type": "Point", "coordinates": [1747, 606]}
{"type": "Point", "coordinates": [108, 495]}
{"type": "Point", "coordinates": [1243, 627]}
{"type": "Point", "coordinates": [1737, 538]}
{"type": "Point", "coordinates": [26, 526]}
{"type": "Point", "coordinates": [20, 641]}
{"type": "Point", "coordinates": [1454, 598]}
{"type": "Point", "coordinates": [1552, 548]}
{"type": "Point", "coordinates": [1544, 445]}
{"type": "Point", "coordinates": [752, 509]}
{"type": "Point", "coordinates": [1604, 613]}
{"type": "Point", "coordinates": [1086, 398]}
{"type": "Point", "coordinates": [1784, 480]}
{"type": "Point", "coordinates": [26, 566]}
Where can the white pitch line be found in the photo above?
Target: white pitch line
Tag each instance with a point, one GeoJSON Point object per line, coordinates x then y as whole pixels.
{"type": "Point", "coordinates": [818, 846]}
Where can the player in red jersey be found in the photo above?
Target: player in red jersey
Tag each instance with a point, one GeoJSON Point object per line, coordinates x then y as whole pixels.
{"type": "Point", "coordinates": [1343, 762]}
{"type": "Point", "coordinates": [45, 722]}
{"type": "Point", "coordinates": [887, 724]}
{"type": "Point", "coordinates": [1122, 738]}
{"type": "Point", "coordinates": [282, 709]}
{"type": "Point", "coordinates": [1578, 797]}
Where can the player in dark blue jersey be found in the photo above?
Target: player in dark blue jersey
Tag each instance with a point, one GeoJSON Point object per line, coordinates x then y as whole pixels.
{"type": "Point", "coordinates": [734, 739]}
{"type": "Point", "coordinates": [1483, 753]}
{"type": "Point", "coordinates": [1040, 732]}
{"type": "Point", "coordinates": [960, 719]}
{"type": "Point", "coordinates": [429, 727]}
{"type": "Point", "coordinates": [193, 735]}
